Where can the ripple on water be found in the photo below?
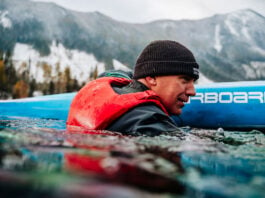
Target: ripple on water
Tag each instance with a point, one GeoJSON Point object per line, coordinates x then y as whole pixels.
{"type": "Point", "coordinates": [190, 162]}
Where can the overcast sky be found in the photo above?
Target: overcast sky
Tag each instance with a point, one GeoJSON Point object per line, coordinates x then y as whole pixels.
{"type": "Point", "coordinates": [141, 11]}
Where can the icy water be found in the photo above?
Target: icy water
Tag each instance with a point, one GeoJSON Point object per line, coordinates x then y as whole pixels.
{"type": "Point", "coordinates": [39, 158]}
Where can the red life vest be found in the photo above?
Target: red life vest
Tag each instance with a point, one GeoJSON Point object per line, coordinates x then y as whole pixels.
{"type": "Point", "coordinates": [97, 105]}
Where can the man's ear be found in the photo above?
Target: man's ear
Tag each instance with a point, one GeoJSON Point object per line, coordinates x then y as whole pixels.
{"type": "Point", "coordinates": [151, 81]}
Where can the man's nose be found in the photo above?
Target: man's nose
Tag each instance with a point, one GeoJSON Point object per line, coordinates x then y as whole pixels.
{"type": "Point", "coordinates": [191, 90]}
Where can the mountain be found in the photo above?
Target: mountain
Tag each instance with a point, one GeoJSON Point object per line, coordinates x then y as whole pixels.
{"type": "Point", "coordinates": [228, 47]}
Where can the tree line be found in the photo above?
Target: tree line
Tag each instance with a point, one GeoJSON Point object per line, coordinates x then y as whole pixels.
{"type": "Point", "coordinates": [14, 84]}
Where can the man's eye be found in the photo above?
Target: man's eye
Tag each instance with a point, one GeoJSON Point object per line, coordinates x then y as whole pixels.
{"type": "Point", "coordinates": [186, 79]}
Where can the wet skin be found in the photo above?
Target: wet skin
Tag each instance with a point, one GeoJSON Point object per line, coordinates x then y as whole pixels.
{"type": "Point", "coordinates": [173, 90]}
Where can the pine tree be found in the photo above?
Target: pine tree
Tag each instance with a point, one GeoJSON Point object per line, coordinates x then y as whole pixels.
{"type": "Point", "coordinates": [10, 72]}
{"type": "Point", "coordinates": [47, 71]}
{"type": "Point", "coordinates": [20, 89]}
{"type": "Point", "coordinates": [8, 75]}
{"type": "Point", "coordinates": [95, 73]}
{"type": "Point", "coordinates": [3, 80]}
{"type": "Point", "coordinates": [1, 55]}
{"type": "Point", "coordinates": [51, 87]}
{"type": "Point", "coordinates": [76, 86]}
{"type": "Point", "coordinates": [68, 80]}
{"type": "Point", "coordinates": [32, 87]}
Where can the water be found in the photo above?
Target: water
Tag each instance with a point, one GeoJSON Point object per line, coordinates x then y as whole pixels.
{"type": "Point", "coordinates": [39, 158]}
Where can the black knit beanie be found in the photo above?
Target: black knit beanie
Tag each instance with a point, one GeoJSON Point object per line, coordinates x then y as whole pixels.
{"type": "Point", "coordinates": [165, 57]}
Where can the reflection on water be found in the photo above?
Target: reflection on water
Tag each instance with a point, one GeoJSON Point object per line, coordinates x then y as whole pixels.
{"type": "Point", "coordinates": [39, 158]}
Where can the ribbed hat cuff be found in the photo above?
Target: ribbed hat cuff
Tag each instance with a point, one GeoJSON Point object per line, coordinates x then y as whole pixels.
{"type": "Point", "coordinates": [163, 68]}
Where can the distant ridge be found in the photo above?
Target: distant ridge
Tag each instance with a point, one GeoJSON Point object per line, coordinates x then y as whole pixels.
{"type": "Point", "coordinates": [228, 47]}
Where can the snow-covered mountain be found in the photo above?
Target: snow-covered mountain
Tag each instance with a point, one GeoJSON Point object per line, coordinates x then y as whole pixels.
{"type": "Point", "coordinates": [59, 58]}
{"type": "Point", "coordinates": [228, 47]}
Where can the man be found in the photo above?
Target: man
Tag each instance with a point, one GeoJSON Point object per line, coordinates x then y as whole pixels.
{"type": "Point", "coordinates": [163, 80]}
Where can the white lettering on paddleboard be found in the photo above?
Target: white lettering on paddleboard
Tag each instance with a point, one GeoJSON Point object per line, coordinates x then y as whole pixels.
{"type": "Point", "coordinates": [229, 97]}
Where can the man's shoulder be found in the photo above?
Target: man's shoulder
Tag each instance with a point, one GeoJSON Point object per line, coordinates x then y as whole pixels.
{"type": "Point", "coordinates": [133, 87]}
{"type": "Point", "coordinates": [146, 119]}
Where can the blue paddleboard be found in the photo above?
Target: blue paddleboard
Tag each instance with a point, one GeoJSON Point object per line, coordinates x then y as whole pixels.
{"type": "Point", "coordinates": [235, 105]}
{"type": "Point", "coordinates": [50, 106]}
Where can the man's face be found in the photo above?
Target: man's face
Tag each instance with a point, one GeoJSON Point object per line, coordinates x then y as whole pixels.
{"type": "Point", "coordinates": [174, 91]}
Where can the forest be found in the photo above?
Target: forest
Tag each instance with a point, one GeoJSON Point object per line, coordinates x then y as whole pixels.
{"type": "Point", "coordinates": [15, 84]}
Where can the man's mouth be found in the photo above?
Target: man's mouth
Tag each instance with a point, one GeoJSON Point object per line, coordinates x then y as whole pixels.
{"type": "Point", "coordinates": [181, 102]}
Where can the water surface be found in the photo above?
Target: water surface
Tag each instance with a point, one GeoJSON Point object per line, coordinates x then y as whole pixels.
{"type": "Point", "coordinates": [39, 158]}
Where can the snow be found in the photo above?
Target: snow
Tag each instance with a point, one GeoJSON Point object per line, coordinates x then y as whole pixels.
{"type": "Point", "coordinates": [246, 33]}
{"type": "Point", "coordinates": [256, 69]}
{"type": "Point", "coordinates": [37, 93]}
{"type": "Point", "coordinates": [4, 20]}
{"type": "Point", "coordinates": [80, 63]}
{"type": "Point", "coordinates": [229, 23]}
{"type": "Point", "coordinates": [238, 24]}
{"type": "Point", "coordinates": [119, 66]}
{"type": "Point", "coordinates": [258, 50]}
{"type": "Point", "coordinates": [167, 24]}
{"type": "Point", "coordinates": [203, 80]}
{"type": "Point", "coordinates": [217, 45]}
